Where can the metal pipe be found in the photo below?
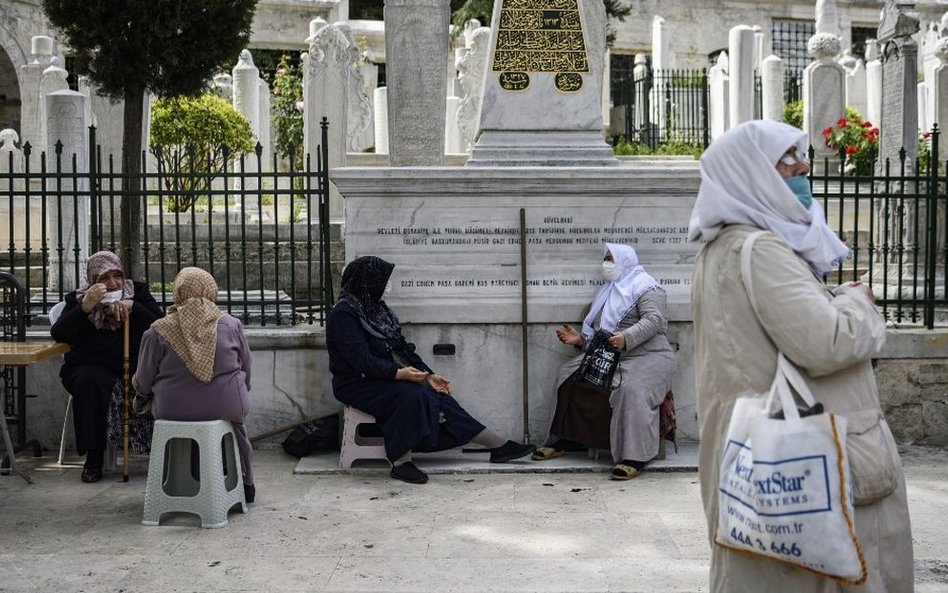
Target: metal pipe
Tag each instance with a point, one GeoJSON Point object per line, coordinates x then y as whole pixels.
{"type": "Point", "coordinates": [523, 325]}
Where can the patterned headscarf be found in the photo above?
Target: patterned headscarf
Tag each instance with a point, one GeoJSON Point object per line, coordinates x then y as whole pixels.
{"type": "Point", "coordinates": [363, 284]}
{"type": "Point", "coordinates": [190, 326]}
{"type": "Point", "coordinates": [101, 263]}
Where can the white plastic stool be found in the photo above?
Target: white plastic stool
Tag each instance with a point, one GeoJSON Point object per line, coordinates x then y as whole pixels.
{"type": "Point", "coordinates": [356, 446]}
{"type": "Point", "coordinates": [171, 486]}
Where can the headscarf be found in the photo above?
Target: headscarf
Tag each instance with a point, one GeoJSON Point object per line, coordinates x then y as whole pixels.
{"type": "Point", "coordinates": [616, 297]}
{"type": "Point", "coordinates": [363, 284]}
{"type": "Point", "coordinates": [100, 263]}
{"type": "Point", "coordinates": [190, 326]}
{"type": "Point", "coordinates": [740, 185]}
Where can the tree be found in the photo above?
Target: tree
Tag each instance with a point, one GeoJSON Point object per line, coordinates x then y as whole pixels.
{"type": "Point", "coordinates": [288, 111]}
{"type": "Point", "coordinates": [129, 47]}
{"type": "Point", "coordinates": [192, 137]}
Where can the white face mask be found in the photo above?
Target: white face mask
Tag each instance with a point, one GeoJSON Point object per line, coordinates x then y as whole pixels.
{"type": "Point", "coordinates": [609, 270]}
{"type": "Point", "coordinates": [111, 297]}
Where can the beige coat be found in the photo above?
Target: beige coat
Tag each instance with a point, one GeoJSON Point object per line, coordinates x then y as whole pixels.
{"type": "Point", "coordinates": [831, 337]}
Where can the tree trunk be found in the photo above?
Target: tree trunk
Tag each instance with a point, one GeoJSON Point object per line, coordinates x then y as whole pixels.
{"type": "Point", "coordinates": [131, 205]}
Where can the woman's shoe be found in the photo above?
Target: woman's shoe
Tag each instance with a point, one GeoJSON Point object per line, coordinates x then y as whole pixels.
{"type": "Point", "coordinates": [509, 451]}
{"type": "Point", "coordinates": [408, 472]}
{"type": "Point", "coordinates": [90, 475]}
{"type": "Point", "coordinates": [622, 471]}
{"type": "Point", "coordinates": [544, 453]}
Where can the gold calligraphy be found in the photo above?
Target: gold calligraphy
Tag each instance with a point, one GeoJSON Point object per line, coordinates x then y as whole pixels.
{"type": "Point", "coordinates": [568, 82]}
{"type": "Point", "coordinates": [514, 81]}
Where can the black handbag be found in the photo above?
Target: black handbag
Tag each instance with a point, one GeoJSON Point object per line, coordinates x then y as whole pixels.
{"type": "Point", "coordinates": [318, 435]}
{"type": "Point", "coordinates": [600, 363]}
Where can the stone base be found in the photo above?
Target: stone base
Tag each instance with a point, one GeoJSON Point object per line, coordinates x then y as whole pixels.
{"type": "Point", "coordinates": [541, 149]}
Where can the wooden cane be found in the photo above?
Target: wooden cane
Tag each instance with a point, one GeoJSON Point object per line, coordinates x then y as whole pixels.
{"type": "Point", "coordinates": [126, 382]}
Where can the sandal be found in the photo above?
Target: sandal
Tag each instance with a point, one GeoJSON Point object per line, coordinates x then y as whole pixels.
{"type": "Point", "coordinates": [544, 453]}
{"type": "Point", "coordinates": [622, 471]}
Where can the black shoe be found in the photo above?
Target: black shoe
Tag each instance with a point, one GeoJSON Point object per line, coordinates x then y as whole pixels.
{"type": "Point", "coordinates": [250, 492]}
{"type": "Point", "coordinates": [90, 475]}
{"type": "Point", "coordinates": [408, 472]}
{"type": "Point", "coordinates": [510, 450]}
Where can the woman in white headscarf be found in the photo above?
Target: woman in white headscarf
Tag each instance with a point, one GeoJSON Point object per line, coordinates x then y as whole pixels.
{"type": "Point", "coordinates": [754, 178]}
{"type": "Point", "coordinates": [631, 305]}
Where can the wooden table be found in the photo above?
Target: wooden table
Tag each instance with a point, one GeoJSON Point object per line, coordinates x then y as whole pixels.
{"type": "Point", "coordinates": [20, 355]}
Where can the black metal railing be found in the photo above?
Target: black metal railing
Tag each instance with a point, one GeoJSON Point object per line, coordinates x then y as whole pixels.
{"type": "Point", "coordinates": [661, 107]}
{"type": "Point", "coordinates": [893, 214]}
{"type": "Point", "coordinates": [262, 230]}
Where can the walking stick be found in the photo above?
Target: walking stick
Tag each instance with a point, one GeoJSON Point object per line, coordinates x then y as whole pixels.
{"type": "Point", "coordinates": [127, 371]}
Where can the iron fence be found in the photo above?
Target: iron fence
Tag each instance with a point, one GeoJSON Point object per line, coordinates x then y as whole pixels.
{"type": "Point", "coordinates": [659, 107]}
{"type": "Point", "coordinates": [262, 232]}
{"type": "Point", "coordinates": [892, 214]}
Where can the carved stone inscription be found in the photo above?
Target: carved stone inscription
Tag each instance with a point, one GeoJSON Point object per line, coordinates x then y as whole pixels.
{"type": "Point", "coordinates": [540, 36]}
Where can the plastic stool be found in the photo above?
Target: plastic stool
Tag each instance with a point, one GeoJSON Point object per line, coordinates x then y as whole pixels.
{"type": "Point", "coordinates": [356, 446]}
{"type": "Point", "coordinates": [171, 486]}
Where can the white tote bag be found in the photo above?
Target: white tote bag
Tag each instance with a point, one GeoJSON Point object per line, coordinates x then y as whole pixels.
{"type": "Point", "coordinates": [785, 489]}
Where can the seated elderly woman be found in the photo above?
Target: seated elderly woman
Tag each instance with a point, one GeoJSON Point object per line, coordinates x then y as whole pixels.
{"type": "Point", "coordinates": [91, 323]}
{"type": "Point", "coordinates": [377, 371]}
{"type": "Point", "coordinates": [196, 363]}
{"type": "Point", "coordinates": [631, 306]}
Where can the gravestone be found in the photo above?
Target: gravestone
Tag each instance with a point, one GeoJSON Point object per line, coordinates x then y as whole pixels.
{"type": "Point", "coordinates": [359, 116]}
{"type": "Point", "coordinates": [771, 82]}
{"type": "Point", "coordinates": [224, 86]}
{"type": "Point", "coordinates": [856, 88]}
{"type": "Point", "coordinates": [68, 218]}
{"type": "Point", "coordinates": [824, 80]}
{"type": "Point", "coordinates": [54, 79]}
{"type": "Point", "coordinates": [940, 85]}
{"type": "Point", "coordinates": [661, 54]}
{"type": "Point", "coordinates": [246, 78]}
{"type": "Point", "coordinates": [741, 74]}
{"type": "Point", "coordinates": [30, 77]}
{"type": "Point", "coordinates": [873, 82]}
{"type": "Point", "coordinates": [415, 76]}
{"type": "Point", "coordinates": [899, 117]}
{"type": "Point", "coordinates": [720, 96]}
{"type": "Point", "coordinates": [546, 57]}
{"type": "Point", "coordinates": [380, 99]}
{"type": "Point", "coordinates": [263, 123]}
{"type": "Point", "coordinates": [471, 70]}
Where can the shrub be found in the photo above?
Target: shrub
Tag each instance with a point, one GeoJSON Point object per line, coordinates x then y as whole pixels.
{"type": "Point", "coordinates": [191, 138]}
{"type": "Point", "coordinates": [793, 114]}
{"type": "Point", "coordinates": [287, 110]}
{"type": "Point", "coordinates": [857, 142]}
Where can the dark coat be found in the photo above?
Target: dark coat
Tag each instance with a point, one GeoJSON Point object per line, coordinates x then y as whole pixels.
{"type": "Point", "coordinates": [409, 414]}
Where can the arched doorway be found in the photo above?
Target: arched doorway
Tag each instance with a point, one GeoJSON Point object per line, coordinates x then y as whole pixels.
{"type": "Point", "coordinates": [9, 93]}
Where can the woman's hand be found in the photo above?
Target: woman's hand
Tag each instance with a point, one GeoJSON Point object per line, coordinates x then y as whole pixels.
{"type": "Point", "coordinates": [569, 336]}
{"type": "Point", "coordinates": [617, 341]}
{"type": "Point", "coordinates": [121, 310]}
{"type": "Point", "coordinates": [92, 297]}
{"type": "Point", "coordinates": [439, 384]}
{"type": "Point", "coordinates": [865, 289]}
{"type": "Point", "coordinates": [410, 374]}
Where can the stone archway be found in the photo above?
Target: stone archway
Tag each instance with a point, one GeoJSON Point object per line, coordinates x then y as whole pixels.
{"type": "Point", "coordinates": [9, 93]}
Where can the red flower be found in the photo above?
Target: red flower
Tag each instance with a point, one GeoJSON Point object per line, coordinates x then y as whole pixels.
{"type": "Point", "coordinates": [841, 122]}
{"type": "Point", "coordinates": [926, 135]}
{"type": "Point", "coordinates": [874, 131]}
{"type": "Point", "coordinates": [850, 150]}
{"type": "Point", "coordinates": [827, 132]}
{"type": "Point", "coordinates": [866, 124]}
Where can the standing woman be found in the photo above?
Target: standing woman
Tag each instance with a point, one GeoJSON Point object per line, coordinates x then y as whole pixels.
{"type": "Point", "coordinates": [754, 178]}
{"type": "Point", "coordinates": [377, 371]}
{"type": "Point", "coordinates": [91, 323]}
{"type": "Point", "coordinates": [196, 363]}
{"type": "Point", "coordinates": [631, 305]}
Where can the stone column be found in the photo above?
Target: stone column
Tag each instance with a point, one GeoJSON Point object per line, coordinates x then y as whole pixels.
{"type": "Point", "coordinates": [263, 125]}
{"type": "Point", "coordinates": [246, 78]}
{"type": "Point", "coordinates": [873, 83]}
{"type": "Point", "coordinates": [771, 81]}
{"type": "Point", "coordinates": [940, 87]}
{"type": "Point", "coordinates": [719, 96]}
{"type": "Point", "coordinates": [471, 69]}
{"type": "Point", "coordinates": [327, 95]}
{"type": "Point", "coordinates": [30, 76]}
{"type": "Point", "coordinates": [380, 97]}
{"type": "Point", "coordinates": [415, 76]}
{"type": "Point", "coordinates": [68, 218]}
{"type": "Point", "coordinates": [758, 48]}
{"type": "Point", "coordinates": [741, 71]}
{"type": "Point", "coordinates": [54, 79]}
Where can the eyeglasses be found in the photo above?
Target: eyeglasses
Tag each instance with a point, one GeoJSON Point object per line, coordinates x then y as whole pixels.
{"type": "Point", "coordinates": [792, 158]}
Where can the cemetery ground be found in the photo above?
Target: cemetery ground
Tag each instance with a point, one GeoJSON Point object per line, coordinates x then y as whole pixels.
{"type": "Point", "coordinates": [498, 532]}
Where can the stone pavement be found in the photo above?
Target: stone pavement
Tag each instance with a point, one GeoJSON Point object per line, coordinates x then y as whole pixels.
{"type": "Point", "coordinates": [500, 532]}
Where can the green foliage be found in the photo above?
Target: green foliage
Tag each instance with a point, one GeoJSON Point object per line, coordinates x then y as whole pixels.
{"type": "Point", "coordinates": [856, 140]}
{"type": "Point", "coordinates": [793, 114]}
{"type": "Point", "coordinates": [192, 137]}
{"type": "Point", "coordinates": [287, 110]}
{"type": "Point", "coordinates": [625, 148]}
{"type": "Point", "coordinates": [158, 287]}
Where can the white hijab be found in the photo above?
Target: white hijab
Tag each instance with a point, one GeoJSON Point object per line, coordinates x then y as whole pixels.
{"type": "Point", "coordinates": [740, 185]}
{"type": "Point", "coordinates": [615, 298]}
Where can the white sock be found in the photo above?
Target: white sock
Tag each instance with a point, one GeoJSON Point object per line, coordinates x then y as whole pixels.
{"type": "Point", "coordinates": [403, 459]}
{"type": "Point", "coordinates": [489, 439]}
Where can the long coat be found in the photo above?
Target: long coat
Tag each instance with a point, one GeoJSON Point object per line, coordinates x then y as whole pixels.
{"type": "Point", "coordinates": [831, 337]}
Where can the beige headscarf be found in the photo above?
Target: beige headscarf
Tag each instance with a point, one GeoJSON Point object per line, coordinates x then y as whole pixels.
{"type": "Point", "coordinates": [191, 323]}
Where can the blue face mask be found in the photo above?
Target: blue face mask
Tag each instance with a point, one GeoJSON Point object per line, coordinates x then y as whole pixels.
{"type": "Point", "coordinates": [800, 186]}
